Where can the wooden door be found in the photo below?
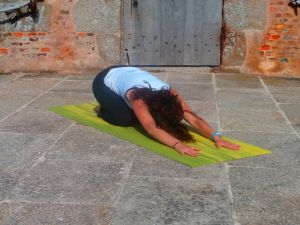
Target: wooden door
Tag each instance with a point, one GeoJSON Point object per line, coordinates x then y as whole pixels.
{"type": "Point", "coordinates": [172, 32]}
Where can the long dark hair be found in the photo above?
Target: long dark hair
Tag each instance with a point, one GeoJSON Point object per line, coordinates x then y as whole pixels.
{"type": "Point", "coordinates": [166, 110]}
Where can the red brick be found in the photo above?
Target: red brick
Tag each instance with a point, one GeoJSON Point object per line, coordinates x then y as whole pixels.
{"type": "Point", "coordinates": [46, 49]}
{"type": "Point", "coordinates": [3, 51]}
{"type": "Point", "coordinates": [81, 34]}
{"type": "Point", "coordinates": [30, 34]}
{"type": "Point", "coordinates": [273, 9]}
{"type": "Point", "coordinates": [275, 37]}
{"type": "Point", "coordinates": [18, 34]}
{"type": "Point", "coordinates": [265, 47]}
{"type": "Point", "coordinates": [41, 33]}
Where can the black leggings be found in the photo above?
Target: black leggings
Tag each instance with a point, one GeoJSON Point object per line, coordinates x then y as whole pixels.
{"type": "Point", "coordinates": [113, 108]}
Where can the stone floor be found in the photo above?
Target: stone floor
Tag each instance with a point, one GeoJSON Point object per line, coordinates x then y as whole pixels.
{"type": "Point", "coordinates": [54, 171]}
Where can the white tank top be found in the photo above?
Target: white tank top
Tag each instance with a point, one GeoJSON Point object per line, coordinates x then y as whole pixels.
{"type": "Point", "coordinates": [121, 79]}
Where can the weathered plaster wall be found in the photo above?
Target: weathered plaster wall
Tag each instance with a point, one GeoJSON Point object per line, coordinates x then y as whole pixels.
{"type": "Point", "coordinates": [67, 35]}
{"type": "Point", "coordinates": [238, 16]}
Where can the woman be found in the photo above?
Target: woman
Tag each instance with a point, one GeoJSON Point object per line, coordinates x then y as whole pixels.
{"type": "Point", "coordinates": [128, 96]}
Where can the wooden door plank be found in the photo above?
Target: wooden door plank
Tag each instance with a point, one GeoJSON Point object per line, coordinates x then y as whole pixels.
{"type": "Point", "coordinates": [193, 33]}
{"type": "Point", "coordinates": [172, 14]}
{"type": "Point", "coordinates": [212, 31]}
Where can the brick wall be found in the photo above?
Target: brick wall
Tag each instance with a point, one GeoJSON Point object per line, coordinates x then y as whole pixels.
{"type": "Point", "coordinates": [60, 48]}
{"type": "Point", "coordinates": [276, 50]}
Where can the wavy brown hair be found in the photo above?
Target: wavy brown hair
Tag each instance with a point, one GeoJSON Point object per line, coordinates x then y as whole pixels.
{"type": "Point", "coordinates": [166, 111]}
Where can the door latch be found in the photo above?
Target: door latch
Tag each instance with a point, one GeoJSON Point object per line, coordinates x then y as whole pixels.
{"type": "Point", "coordinates": [295, 4]}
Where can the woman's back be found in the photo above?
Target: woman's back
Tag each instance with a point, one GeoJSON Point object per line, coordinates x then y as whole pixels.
{"type": "Point", "coordinates": [121, 79]}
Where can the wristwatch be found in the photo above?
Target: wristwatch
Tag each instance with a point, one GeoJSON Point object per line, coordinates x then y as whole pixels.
{"type": "Point", "coordinates": [212, 137]}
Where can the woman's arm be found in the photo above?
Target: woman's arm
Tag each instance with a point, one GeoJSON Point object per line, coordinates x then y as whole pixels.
{"type": "Point", "coordinates": [202, 126]}
{"type": "Point", "coordinates": [143, 115]}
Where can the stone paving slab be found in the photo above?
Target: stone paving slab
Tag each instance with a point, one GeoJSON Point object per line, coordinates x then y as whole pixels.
{"type": "Point", "coordinates": [253, 120]}
{"type": "Point", "coordinates": [6, 78]}
{"type": "Point", "coordinates": [292, 111]}
{"type": "Point", "coordinates": [50, 99]}
{"type": "Point", "coordinates": [297, 128]}
{"type": "Point", "coordinates": [189, 78]}
{"type": "Point", "coordinates": [26, 89]}
{"type": "Point", "coordinates": [285, 149]}
{"type": "Point", "coordinates": [266, 196]}
{"type": "Point", "coordinates": [148, 164]}
{"type": "Point", "coordinates": [8, 180]}
{"type": "Point", "coordinates": [82, 77]}
{"type": "Point", "coordinates": [43, 76]}
{"type": "Point", "coordinates": [35, 123]}
{"type": "Point", "coordinates": [9, 106]}
{"type": "Point", "coordinates": [238, 81]}
{"type": "Point", "coordinates": [286, 94]}
{"type": "Point", "coordinates": [274, 82]}
{"type": "Point", "coordinates": [173, 201]}
{"type": "Point", "coordinates": [54, 214]}
{"type": "Point", "coordinates": [68, 183]}
{"type": "Point", "coordinates": [84, 143]}
{"type": "Point", "coordinates": [19, 151]}
{"type": "Point", "coordinates": [76, 87]}
{"type": "Point", "coordinates": [245, 99]}
{"type": "Point", "coordinates": [207, 110]}
{"type": "Point", "coordinates": [198, 92]}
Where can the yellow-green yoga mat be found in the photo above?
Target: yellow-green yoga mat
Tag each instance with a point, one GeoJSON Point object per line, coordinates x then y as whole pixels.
{"type": "Point", "coordinates": [85, 114]}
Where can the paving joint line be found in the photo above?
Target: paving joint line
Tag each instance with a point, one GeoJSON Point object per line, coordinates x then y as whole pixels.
{"type": "Point", "coordinates": [166, 178]}
{"type": "Point", "coordinates": [261, 89]}
{"type": "Point", "coordinates": [255, 167]}
{"type": "Point", "coordinates": [32, 100]}
{"type": "Point", "coordinates": [126, 175]}
{"type": "Point", "coordinates": [42, 157]}
{"type": "Point", "coordinates": [12, 80]}
{"type": "Point", "coordinates": [226, 167]}
{"type": "Point", "coordinates": [75, 203]}
{"type": "Point", "coordinates": [251, 110]}
{"type": "Point", "coordinates": [278, 107]}
{"type": "Point", "coordinates": [260, 131]}
{"type": "Point", "coordinates": [231, 199]}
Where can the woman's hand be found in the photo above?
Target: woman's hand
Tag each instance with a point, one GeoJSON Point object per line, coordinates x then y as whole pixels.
{"type": "Point", "coordinates": [187, 150]}
{"type": "Point", "coordinates": [226, 144]}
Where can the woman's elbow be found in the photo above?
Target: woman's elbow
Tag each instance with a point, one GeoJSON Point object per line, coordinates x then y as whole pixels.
{"type": "Point", "coordinates": [150, 128]}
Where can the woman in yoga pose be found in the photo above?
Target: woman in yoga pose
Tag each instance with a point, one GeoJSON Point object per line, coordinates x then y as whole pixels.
{"type": "Point", "coordinates": [128, 96]}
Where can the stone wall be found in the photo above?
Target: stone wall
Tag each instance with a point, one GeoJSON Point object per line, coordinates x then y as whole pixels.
{"type": "Point", "coordinates": [259, 37]}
